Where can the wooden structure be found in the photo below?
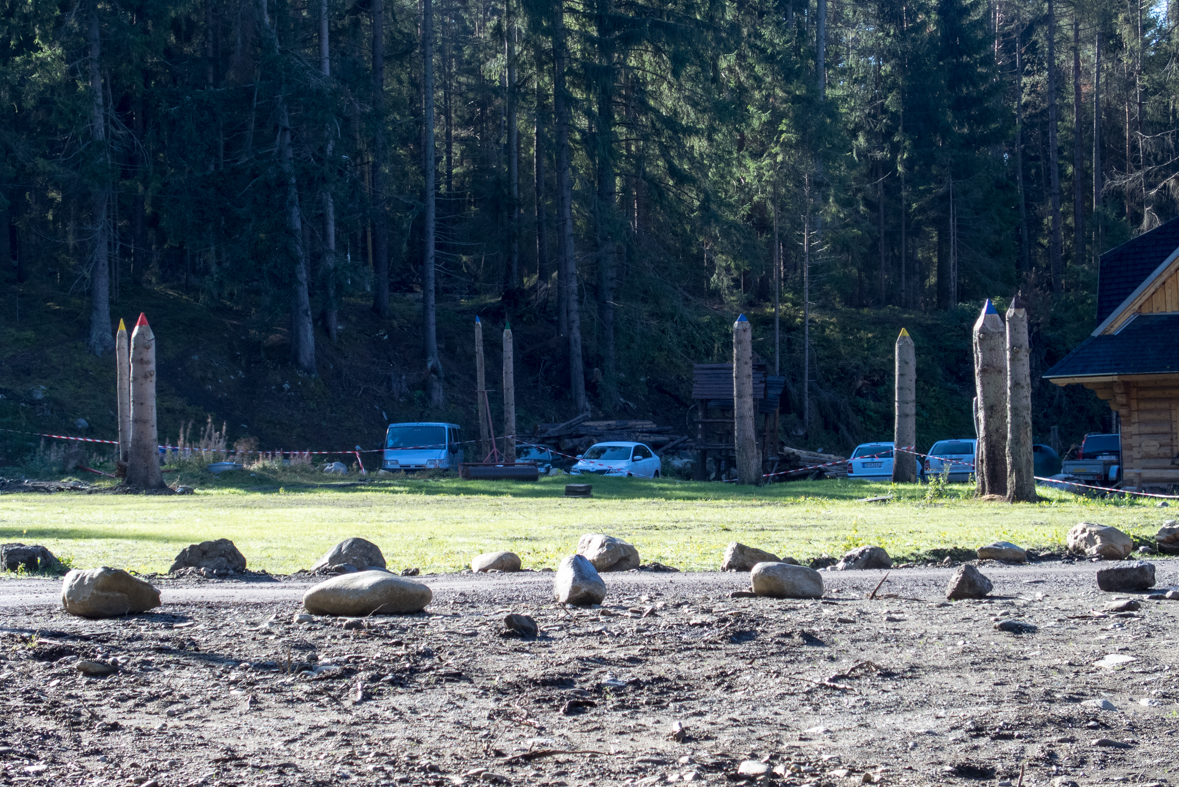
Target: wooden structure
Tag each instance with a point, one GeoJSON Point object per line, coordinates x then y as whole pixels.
{"type": "Point", "coordinates": [712, 388]}
{"type": "Point", "coordinates": [577, 434]}
{"type": "Point", "coordinates": [1131, 359]}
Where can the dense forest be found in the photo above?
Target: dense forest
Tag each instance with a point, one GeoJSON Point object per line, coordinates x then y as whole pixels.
{"type": "Point", "coordinates": [622, 176]}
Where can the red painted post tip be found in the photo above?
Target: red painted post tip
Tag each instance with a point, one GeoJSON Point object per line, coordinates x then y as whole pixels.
{"type": "Point", "coordinates": [142, 320]}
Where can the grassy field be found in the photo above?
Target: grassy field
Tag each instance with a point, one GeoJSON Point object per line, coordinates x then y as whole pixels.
{"type": "Point", "coordinates": [283, 520]}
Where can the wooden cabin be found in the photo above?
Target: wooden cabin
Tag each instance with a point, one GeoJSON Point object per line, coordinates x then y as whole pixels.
{"type": "Point", "coordinates": [1131, 360]}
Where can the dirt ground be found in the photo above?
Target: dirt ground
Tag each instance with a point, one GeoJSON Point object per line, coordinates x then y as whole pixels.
{"type": "Point", "coordinates": [670, 681]}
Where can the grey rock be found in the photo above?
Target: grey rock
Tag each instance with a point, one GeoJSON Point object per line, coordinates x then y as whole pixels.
{"type": "Point", "coordinates": [577, 582]}
{"type": "Point", "coordinates": [95, 669]}
{"type": "Point", "coordinates": [367, 593]}
{"type": "Point", "coordinates": [1133, 605]}
{"type": "Point", "coordinates": [353, 624]}
{"type": "Point", "coordinates": [1109, 743]}
{"type": "Point", "coordinates": [496, 561]}
{"type": "Point", "coordinates": [739, 557]}
{"type": "Point", "coordinates": [968, 582]}
{"type": "Point", "coordinates": [302, 619]}
{"type": "Point", "coordinates": [1014, 627]}
{"type": "Point", "coordinates": [81, 424]}
{"type": "Point", "coordinates": [1101, 704]}
{"type": "Point", "coordinates": [1093, 540]}
{"type": "Point", "coordinates": [521, 624]}
{"type": "Point", "coordinates": [1167, 539]}
{"type": "Point", "coordinates": [15, 557]}
{"type": "Point", "coordinates": [1004, 551]}
{"type": "Point", "coordinates": [335, 468]}
{"type": "Point", "coordinates": [785, 580]}
{"type": "Point", "coordinates": [753, 768]}
{"type": "Point", "coordinates": [864, 558]}
{"type": "Point", "coordinates": [608, 553]}
{"type": "Point", "coordinates": [1172, 595]}
{"type": "Point", "coordinates": [106, 593]}
{"type": "Point", "coordinates": [219, 557]}
{"type": "Point", "coordinates": [362, 555]}
{"type": "Point", "coordinates": [1126, 577]}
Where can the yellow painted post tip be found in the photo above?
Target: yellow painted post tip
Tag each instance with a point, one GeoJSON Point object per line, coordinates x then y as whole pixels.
{"type": "Point", "coordinates": [903, 332]}
{"type": "Point", "coordinates": [122, 327]}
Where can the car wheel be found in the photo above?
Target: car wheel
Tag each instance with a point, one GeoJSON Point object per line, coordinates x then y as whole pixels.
{"type": "Point", "coordinates": [656, 474]}
{"type": "Point", "coordinates": [630, 475]}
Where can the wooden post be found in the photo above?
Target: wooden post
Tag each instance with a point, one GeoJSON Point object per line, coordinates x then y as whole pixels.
{"type": "Point", "coordinates": [1021, 480]}
{"type": "Point", "coordinates": [990, 382]}
{"type": "Point", "coordinates": [481, 393]}
{"type": "Point", "coordinates": [509, 399]}
{"type": "Point", "coordinates": [744, 429]}
{"type": "Point", "coordinates": [123, 386]}
{"type": "Point", "coordinates": [904, 463]}
{"type": "Point", "coordinates": [143, 462]}
{"type": "Point", "coordinates": [701, 473]}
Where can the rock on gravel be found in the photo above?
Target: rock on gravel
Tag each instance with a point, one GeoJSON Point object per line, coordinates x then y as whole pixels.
{"type": "Point", "coordinates": [1004, 551]}
{"type": "Point", "coordinates": [1126, 577]}
{"type": "Point", "coordinates": [367, 593]}
{"type": "Point", "coordinates": [106, 593]}
{"type": "Point", "coordinates": [358, 553]}
{"type": "Point", "coordinates": [577, 582]}
{"type": "Point", "coordinates": [496, 561]}
{"type": "Point", "coordinates": [521, 624]}
{"type": "Point", "coordinates": [95, 669]}
{"type": "Point", "coordinates": [608, 553]}
{"type": "Point", "coordinates": [1093, 540]}
{"type": "Point", "coordinates": [219, 557]}
{"type": "Point", "coordinates": [968, 582]}
{"type": "Point", "coordinates": [739, 557]}
{"type": "Point", "coordinates": [864, 558]}
{"type": "Point", "coordinates": [786, 580]}
{"type": "Point", "coordinates": [1167, 539]}
{"type": "Point", "coordinates": [14, 557]}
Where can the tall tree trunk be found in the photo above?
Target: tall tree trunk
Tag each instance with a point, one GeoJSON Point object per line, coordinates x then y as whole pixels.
{"type": "Point", "coordinates": [1078, 148]}
{"type": "Point", "coordinates": [1097, 184]}
{"type": "Point", "coordinates": [101, 339]}
{"type": "Point", "coordinates": [565, 189]}
{"type": "Point", "coordinates": [608, 219]}
{"type": "Point", "coordinates": [513, 148]}
{"type": "Point", "coordinates": [380, 230]}
{"type": "Point", "coordinates": [447, 100]}
{"type": "Point", "coordinates": [1024, 240]}
{"type": "Point", "coordinates": [821, 48]}
{"type": "Point", "coordinates": [1055, 256]}
{"type": "Point", "coordinates": [331, 311]}
{"type": "Point", "coordinates": [538, 152]}
{"type": "Point", "coordinates": [434, 378]}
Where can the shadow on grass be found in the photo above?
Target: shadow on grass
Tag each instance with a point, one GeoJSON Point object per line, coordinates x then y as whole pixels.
{"type": "Point", "coordinates": [37, 533]}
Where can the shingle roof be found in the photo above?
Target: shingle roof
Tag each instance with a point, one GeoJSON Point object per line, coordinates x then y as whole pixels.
{"type": "Point", "coordinates": [1148, 344]}
{"type": "Point", "coordinates": [1125, 267]}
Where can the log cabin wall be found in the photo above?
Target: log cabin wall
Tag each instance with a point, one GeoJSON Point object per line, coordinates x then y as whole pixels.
{"type": "Point", "coordinates": [1148, 406]}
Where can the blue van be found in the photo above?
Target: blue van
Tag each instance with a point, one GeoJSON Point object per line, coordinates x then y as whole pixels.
{"type": "Point", "coordinates": [422, 445]}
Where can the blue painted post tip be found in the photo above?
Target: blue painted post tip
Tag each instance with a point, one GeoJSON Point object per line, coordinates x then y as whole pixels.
{"type": "Point", "coordinates": [742, 319]}
{"type": "Point", "coordinates": [476, 318]}
{"type": "Point", "coordinates": [989, 308]}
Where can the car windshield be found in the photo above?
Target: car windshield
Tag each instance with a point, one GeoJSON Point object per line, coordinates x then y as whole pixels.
{"type": "Point", "coordinates": [953, 448]}
{"type": "Point", "coordinates": [416, 436]}
{"type": "Point", "coordinates": [530, 452]}
{"type": "Point", "coordinates": [1102, 443]}
{"type": "Point", "coordinates": [877, 451]}
{"type": "Point", "coordinates": [608, 452]}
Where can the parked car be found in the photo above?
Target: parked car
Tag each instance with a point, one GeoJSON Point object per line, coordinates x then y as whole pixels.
{"type": "Point", "coordinates": [953, 458]}
{"type": "Point", "coordinates": [1046, 460]}
{"type": "Point", "coordinates": [618, 459]}
{"type": "Point", "coordinates": [1099, 460]}
{"type": "Point", "coordinates": [541, 454]}
{"type": "Point", "coordinates": [422, 446]}
{"type": "Point", "coordinates": [871, 462]}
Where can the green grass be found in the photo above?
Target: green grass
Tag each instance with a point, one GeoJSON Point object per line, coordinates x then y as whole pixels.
{"type": "Point", "coordinates": [284, 519]}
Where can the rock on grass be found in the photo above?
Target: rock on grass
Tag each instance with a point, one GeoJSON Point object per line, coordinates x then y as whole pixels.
{"type": "Point", "coordinates": [739, 557]}
{"type": "Point", "coordinates": [496, 561]}
{"type": "Point", "coordinates": [218, 557]}
{"type": "Point", "coordinates": [358, 553]}
{"type": "Point", "coordinates": [864, 558]}
{"type": "Point", "coordinates": [1093, 540]}
{"type": "Point", "coordinates": [608, 553]}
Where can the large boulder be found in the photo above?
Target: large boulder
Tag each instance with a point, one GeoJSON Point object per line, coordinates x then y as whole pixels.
{"type": "Point", "coordinates": [968, 582]}
{"type": "Point", "coordinates": [1003, 551]}
{"type": "Point", "coordinates": [216, 557]}
{"type": "Point", "coordinates": [1167, 539]}
{"type": "Point", "coordinates": [577, 582]}
{"type": "Point", "coordinates": [367, 593]}
{"type": "Point", "coordinates": [106, 593]}
{"type": "Point", "coordinates": [608, 553]}
{"type": "Point", "coordinates": [357, 553]}
{"type": "Point", "coordinates": [1126, 577]}
{"type": "Point", "coordinates": [1093, 540]}
{"type": "Point", "coordinates": [864, 558]}
{"type": "Point", "coordinates": [496, 561]}
{"type": "Point", "coordinates": [786, 580]}
{"type": "Point", "coordinates": [17, 557]}
{"type": "Point", "coordinates": [739, 557]}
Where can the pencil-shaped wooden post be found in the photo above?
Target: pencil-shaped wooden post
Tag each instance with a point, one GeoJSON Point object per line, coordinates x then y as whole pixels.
{"type": "Point", "coordinates": [143, 462]}
{"type": "Point", "coordinates": [123, 386]}
{"type": "Point", "coordinates": [509, 399]}
{"type": "Point", "coordinates": [904, 463]}
{"type": "Point", "coordinates": [481, 393]}
{"type": "Point", "coordinates": [1021, 472]}
{"type": "Point", "coordinates": [744, 428]}
{"type": "Point", "coordinates": [990, 382]}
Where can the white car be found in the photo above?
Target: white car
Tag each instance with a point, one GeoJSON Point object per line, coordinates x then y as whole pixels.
{"type": "Point", "coordinates": [871, 462]}
{"type": "Point", "coordinates": [618, 459]}
{"type": "Point", "coordinates": [953, 459]}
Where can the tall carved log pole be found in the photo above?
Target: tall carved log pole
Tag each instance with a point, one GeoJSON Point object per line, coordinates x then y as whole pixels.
{"type": "Point", "coordinates": [143, 463]}
{"type": "Point", "coordinates": [509, 399]}
{"type": "Point", "coordinates": [123, 385]}
{"type": "Point", "coordinates": [485, 445]}
{"type": "Point", "coordinates": [990, 382]}
{"type": "Point", "coordinates": [1021, 473]}
{"type": "Point", "coordinates": [904, 463]}
{"type": "Point", "coordinates": [744, 427]}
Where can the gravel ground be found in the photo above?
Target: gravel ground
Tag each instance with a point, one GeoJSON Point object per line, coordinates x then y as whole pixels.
{"type": "Point", "coordinates": [670, 681]}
